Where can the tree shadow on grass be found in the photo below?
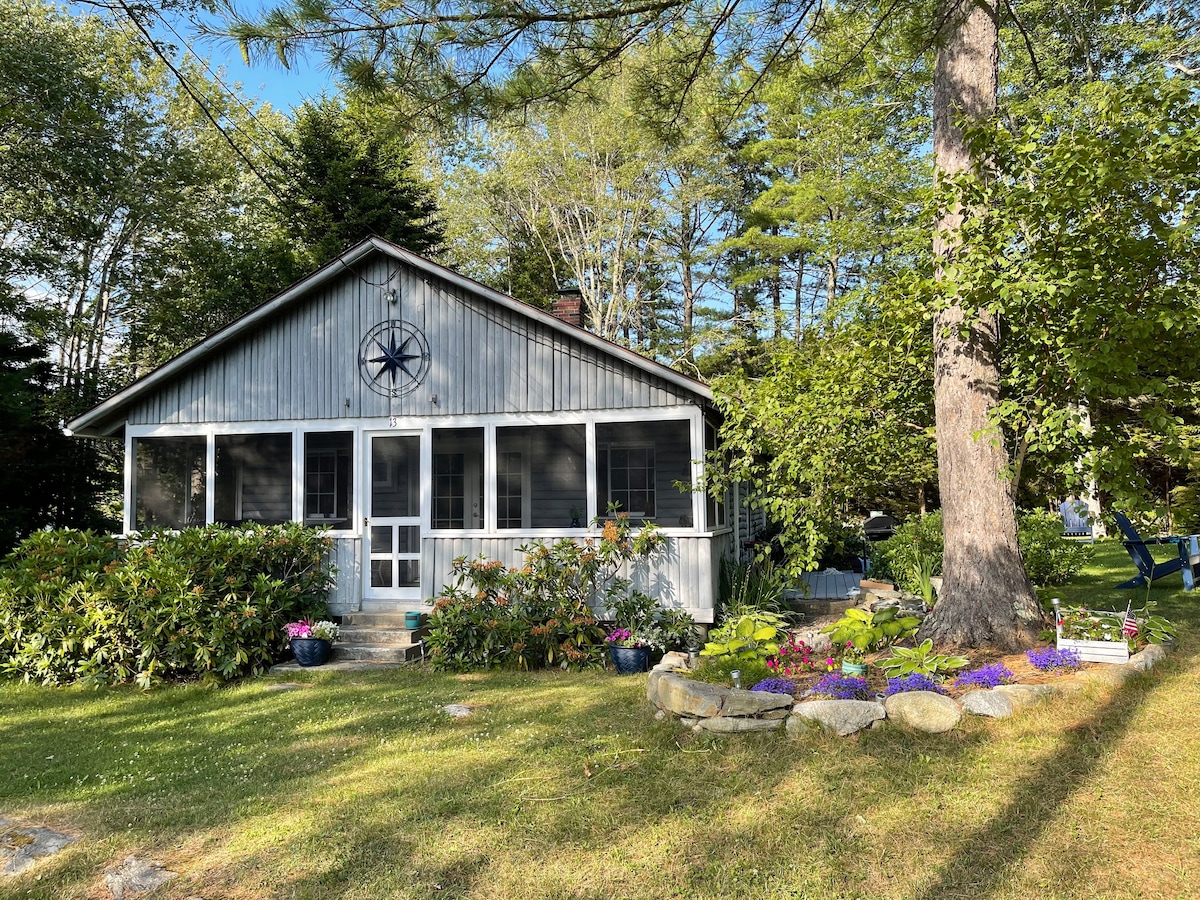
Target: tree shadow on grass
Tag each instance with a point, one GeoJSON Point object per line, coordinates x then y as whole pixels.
{"type": "Point", "coordinates": [984, 862]}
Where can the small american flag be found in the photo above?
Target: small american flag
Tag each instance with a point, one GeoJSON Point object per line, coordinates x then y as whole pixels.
{"type": "Point", "coordinates": [1129, 627]}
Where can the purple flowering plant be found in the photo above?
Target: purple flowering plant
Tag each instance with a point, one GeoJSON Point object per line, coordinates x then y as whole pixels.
{"type": "Point", "coordinates": [915, 682]}
{"type": "Point", "coordinates": [776, 686]}
{"type": "Point", "coordinates": [842, 687]}
{"type": "Point", "coordinates": [989, 676]}
{"type": "Point", "coordinates": [1048, 659]}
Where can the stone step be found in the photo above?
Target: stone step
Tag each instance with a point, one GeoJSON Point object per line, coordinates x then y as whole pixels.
{"type": "Point", "coordinates": [393, 606]}
{"type": "Point", "coordinates": [375, 620]}
{"type": "Point", "coordinates": [365, 634]}
{"type": "Point", "coordinates": [377, 652]}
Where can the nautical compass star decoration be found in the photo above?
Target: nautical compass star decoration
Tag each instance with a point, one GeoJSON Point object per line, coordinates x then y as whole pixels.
{"type": "Point", "coordinates": [394, 358]}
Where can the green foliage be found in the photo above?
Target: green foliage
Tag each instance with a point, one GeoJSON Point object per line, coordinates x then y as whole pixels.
{"type": "Point", "coordinates": [754, 634]}
{"type": "Point", "coordinates": [1082, 237]}
{"type": "Point", "coordinates": [1049, 557]}
{"type": "Point", "coordinates": [539, 615]}
{"type": "Point", "coordinates": [212, 602]}
{"type": "Point", "coordinates": [834, 421]}
{"type": "Point", "coordinates": [912, 555]}
{"type": "Point", "coordinates": [755, 585]}
{"type": "Point", "coordinates": [863, 632]}
{"type": "Point", "coordinates": [650, 624]}
{"type": "Point", "coordinates": [717, 669]}
{"type": "Point", "coordinates": [919, 660]}
{"type": "Point", "coordinates": [348, 180]}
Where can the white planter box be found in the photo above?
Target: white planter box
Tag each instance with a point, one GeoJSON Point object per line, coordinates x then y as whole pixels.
{"type": "Point", "coordinates": [1097, 651]}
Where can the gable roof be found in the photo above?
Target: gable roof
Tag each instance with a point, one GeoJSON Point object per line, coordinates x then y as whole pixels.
{"type": "Point", "coordinates": [105, 419]}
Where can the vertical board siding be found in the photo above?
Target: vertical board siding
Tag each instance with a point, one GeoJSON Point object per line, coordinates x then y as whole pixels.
{"type": "Point", "coordinates": [683, 576]}
{"type": "Point", "coordinates": [485, 359]}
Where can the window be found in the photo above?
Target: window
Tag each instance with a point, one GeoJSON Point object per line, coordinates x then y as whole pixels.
{"type": "Point", "coordinates": [169, 482]}
{"type": "Point", "coordinates": [328, 479]}
{"type": "Point", "coordinates": [631, 480]}
{"type": "Point", "coordinates": [254, 478]}
{"type": "Point", "coordinates": [541, 479]}
{"type": "Point", "coordinates": [640, 466]}
{"type": "Point", "coordinates": [510, 489]}
{"type": "Point", "coordinates": [458, 478]}
{"type": "Point", "coordinates": [715, 507]}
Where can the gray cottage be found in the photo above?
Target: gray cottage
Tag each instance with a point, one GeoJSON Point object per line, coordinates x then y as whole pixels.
{"type": "Point", "coordinates": [418, 416]}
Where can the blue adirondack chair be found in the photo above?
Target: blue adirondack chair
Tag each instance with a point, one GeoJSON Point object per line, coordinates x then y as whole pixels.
{"type": "Point", "coordinates": [1187, 561]}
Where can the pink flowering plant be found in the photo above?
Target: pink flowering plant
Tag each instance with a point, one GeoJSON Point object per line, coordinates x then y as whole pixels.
{"type": "Point", "coordinates": [795, 657]}
{"type": "Point", "coordinates": [324, 630]}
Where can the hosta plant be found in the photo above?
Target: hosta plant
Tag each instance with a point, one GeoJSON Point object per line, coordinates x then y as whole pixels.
{"type": "Point", "coordinates": [754, 635]}
{"type": "Point", "coordinates": [866, 632]}
{"type": "Point", "coordinates": [919, 660]}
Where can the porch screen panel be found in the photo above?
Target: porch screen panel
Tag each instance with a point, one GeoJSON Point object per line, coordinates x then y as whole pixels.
{"type": "Point", "coordinates": [169, 482]}
{"type": "Point", "coordinates": [541, 478]}
{"type": "Point", "coordinates": [639, 465]}
{"type": "Point", "coordinates": [396, 477]}
{"type": "Point", "coordinates": [715, 507]}
{"type": "Point", "coordinates": [254, 478]}
{"type": "Point", "coordinates": [458, 478]}
{"type": "Point", "coordinates": [329, 479]}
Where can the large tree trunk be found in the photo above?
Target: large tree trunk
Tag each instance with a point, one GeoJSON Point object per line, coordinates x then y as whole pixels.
{"type": "Point", "coordinates": [986, 599]}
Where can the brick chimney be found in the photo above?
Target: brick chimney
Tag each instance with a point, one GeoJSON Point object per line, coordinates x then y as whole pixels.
{"type": "Point", "coordinates": [568, 306]}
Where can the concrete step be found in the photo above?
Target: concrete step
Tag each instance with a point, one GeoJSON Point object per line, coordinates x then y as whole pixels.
{"type": "Point", "coordinates": [365, 634]}
{"type": "Point", "coordinates": [394, 607]}
{"type": "Point", "coordinates": [375, 620]}
{"type": "Point", "coordinates": [377, 652]}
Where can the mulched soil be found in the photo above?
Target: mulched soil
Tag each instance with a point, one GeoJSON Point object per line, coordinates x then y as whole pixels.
{"type": "Point", "coordinates": [1017, 663]}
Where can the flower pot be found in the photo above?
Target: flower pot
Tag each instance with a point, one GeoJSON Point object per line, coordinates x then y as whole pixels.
{"type": "Point", "coordinates": [853, 668]}
{"type": "Point", "coordinates": [311, 651]}
{"type": "Point", "coordinates": [412, 620]}
{"type": "Point", "coordinates": [630, 660]}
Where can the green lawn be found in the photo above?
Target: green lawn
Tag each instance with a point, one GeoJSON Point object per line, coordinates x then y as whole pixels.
{"type": "Point", "coordinates": [357, 785]}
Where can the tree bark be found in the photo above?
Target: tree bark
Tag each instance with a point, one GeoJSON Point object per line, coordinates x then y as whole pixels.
{"type": "Point", "coordinates": [987, 599]}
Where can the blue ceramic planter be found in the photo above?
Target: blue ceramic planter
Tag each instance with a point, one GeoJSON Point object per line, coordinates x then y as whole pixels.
{"type": "Point", "coordinates": [630, 660]}
{"type": "Point", "coordinates": [311, 651]}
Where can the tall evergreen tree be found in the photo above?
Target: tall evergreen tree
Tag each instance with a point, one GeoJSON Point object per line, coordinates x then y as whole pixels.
{"type": "Point", "coordinates": [345, 181]}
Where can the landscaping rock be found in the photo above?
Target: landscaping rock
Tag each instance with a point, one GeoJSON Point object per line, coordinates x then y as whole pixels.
{"type": "Point", "coordinates": [923, 711]}
{"type": "Point", "coordinates": [737, 725]}
{"type": "Point", "coordinates": [456, 710]}
{"type": "Point", "coordinates": [753, 703]}
{"type": "Point", "coordinates": [1025, 695]}
{"type": "Point", "coordinates": [685, 697]}
{"type": "Point", "coordinates": [22, 846]}
{"type": "Point", "coordinates": [817, 642]}
{"type": "Point", "coordinates": [1114, 674]}
{"type": "Point", "coordinates": [135, 876]}
{"type": "Point", "coordinates": [1148, 658]}
{"type": "Point", "coordinates": [841, 716]}
{"type": "Point", "coordinates": [988, 703]}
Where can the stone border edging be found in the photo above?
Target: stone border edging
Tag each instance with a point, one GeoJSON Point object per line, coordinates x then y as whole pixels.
{"type": "Point", "coordinates": [715, 708]}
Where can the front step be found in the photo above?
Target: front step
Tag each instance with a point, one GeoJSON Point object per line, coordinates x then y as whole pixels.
{"type": "Point", "coordinates": [379, 637]}
{"type": "Point", "coordinates": [392, 653]}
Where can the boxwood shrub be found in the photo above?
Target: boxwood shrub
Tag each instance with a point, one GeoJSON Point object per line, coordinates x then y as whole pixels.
{"type": "Point", "coordinates": [202, 602]}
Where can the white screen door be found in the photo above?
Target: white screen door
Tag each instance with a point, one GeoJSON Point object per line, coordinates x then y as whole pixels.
{"type": "Point", "coordinates": [393, 537]}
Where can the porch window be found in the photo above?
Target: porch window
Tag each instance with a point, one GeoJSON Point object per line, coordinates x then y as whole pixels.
{"type": "Point", "coordinates": [254, 478]}
{"type": "Point", "coordinates": [541, 476]}
{"type": "Point", "coordinates": [169, 482]}
{"type": "Point", "coordinates": [639, 468]}
{"type": "Point", "coordinates": [328, 479]}
{"type": "Point", "coordinates": [716, 507]}
{"type": "Point", "coordinates": [458, 478]}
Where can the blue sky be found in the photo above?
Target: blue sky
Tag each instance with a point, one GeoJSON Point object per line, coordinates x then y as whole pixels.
{"type": "Point", "coordinates": [263, 80]}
